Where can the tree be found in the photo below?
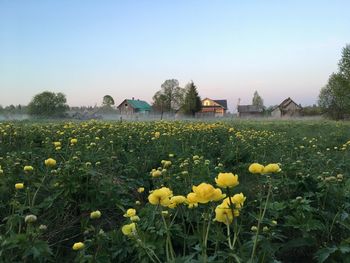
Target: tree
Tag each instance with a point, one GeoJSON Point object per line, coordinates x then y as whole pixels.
{"type": "Point", "coordinates": [192, 101]}
{"type": "Point", "coordinates": [334, 98]}
{"type": "Point", "coordinates": [169, 98]}
{"type": "Point", "coordinates": [257, 100]}
{"type": "Point", "coordinates": [48, 104]}
{"type": "Point", "coordinates": [344, 63]}
{"type": "Point", "coordinates": [108, 101]}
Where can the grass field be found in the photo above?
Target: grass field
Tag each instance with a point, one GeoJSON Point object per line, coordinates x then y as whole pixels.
{"type": "Point", "coordinates": [93, 200]}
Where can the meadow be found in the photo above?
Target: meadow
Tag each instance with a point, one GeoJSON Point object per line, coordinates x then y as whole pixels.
{"type": "Point", "coordinates": [175, 191]}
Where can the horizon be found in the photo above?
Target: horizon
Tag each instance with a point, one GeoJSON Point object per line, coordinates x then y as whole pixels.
{"type": "Point", "coordinates": [86, 49]}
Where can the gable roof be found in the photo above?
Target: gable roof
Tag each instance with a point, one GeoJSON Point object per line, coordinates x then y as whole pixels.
{"type": "Point", "coordinates": [249, 108]}
{"type": "Point", "coordinates": [286, 102]}
{"type": "Point", "coordinates": [223, 103]}
{"type": "Point", "coordinates": [137, 104]}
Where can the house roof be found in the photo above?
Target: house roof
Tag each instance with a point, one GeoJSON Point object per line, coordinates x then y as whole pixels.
{"type": "Point", "coordinates": [286, 102]}
{"type": "Point", "coordinates": [223, 103]}
{"type": "Point", "coordinates": [249, 108]}
{"type": "Point", "coordinates": [137, 104]}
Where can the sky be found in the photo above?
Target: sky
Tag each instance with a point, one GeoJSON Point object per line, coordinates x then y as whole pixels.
{"type": "Point", "coordinates": [87, 49]}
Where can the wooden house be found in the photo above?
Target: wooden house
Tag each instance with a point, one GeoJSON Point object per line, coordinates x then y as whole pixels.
{"type": "Point", "coordinates": [130, 107]}
{"type": "Point", "coordinates": [250, 111]}
{"type": "Point", "coordinates": [288, 108]}
{"type": "Point", "coordinates": [213, 108]}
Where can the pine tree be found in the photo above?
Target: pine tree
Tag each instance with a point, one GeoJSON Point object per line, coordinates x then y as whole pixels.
{"type": "Point", "coordinates": [257, 100]}
{"type": "Point", "coordinates": [192, 102]}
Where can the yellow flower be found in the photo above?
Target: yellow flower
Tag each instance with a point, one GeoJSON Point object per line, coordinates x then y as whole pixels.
{"type": "Point", "coordinates": [224, 214]}
{"type": "Point", "coordinates": [160, 196]}
{"type": "Point", "coordinates": [156, 173]}
{"type": "Point", "coordinates": [192, 200]}
{"type": "Point", "coordinates": [50, 162]}
{"type": "Point", "coordinates": [256, 168]}
{"type": "Point", "coordinates": [156, 135]}
{"type": "Point", "coordinates": [95, 214]}
{"type": "Point", "coordinates": [19, 186]}
{"type": "Point", "coordinates": [57, 144]}
{"type": "Point", "coordinates": [130, 212]}
{"type": "Point", "coordinates": [225, 180]}
{"type": "Point", "coordinates": [28, 168]}
{"type": "Point", "coordinates": [271, 168]}
{"type": "Point", "coordinates": [134, 218]}
{"type": "Point", "coordinates": [237, 200]}
{"type": "Point", "coordinates": [176, 200]}
{"type": "Point", "coordinates": [129, 229]}
{"type": "Point", "coordinates": [78, 246]}
{"type": "Point", "coordinates": [206, 192]}
{"type": "Point", "coordinates": [140, 189]}
{"type": "Point", "coordinates": [73, 141]}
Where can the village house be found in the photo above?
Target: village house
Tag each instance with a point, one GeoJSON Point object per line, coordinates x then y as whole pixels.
{"type": "Point", "coordinates": [250, 111]}
{"type": "Point", "coordinates": [288, 108]}
{"type": "Point", "coordinates": [130, 107]}
{"type": "Point", "coordinates": [213, 108]}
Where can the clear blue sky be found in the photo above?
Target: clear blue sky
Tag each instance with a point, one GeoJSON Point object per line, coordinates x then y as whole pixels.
{"type": "Point", "coordinates": [87, 49]}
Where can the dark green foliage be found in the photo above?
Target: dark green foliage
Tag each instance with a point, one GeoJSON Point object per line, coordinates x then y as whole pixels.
{"type": "Point", "coordinates": [192, 103]}
{"type": "Point", "coordinates": [334, 98]}
{"type": "Point", "coordinates": [48, 104]}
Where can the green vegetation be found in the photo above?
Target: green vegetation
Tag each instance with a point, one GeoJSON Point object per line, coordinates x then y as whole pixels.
{"type": "Point", "coordinates": [334, 98]}
{"type": "Point", "coordinates": [82, 192]}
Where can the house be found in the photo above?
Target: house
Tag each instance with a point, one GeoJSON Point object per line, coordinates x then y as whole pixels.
{"type": "Point", "coordinates": [214, 108]}
{"type": "Point", "coordinates": [250, 111]}
{"type": "Point", "coordinates": [288, 108]}
{"type": "Point", "coordinates": [130, 107]}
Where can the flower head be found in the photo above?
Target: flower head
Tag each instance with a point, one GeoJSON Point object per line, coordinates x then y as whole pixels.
{"type": "Point", "coordinates": [271, 168]}
{"type": "Point", "coordinates": [30, 219]}
{"type": "Point", "coordinates": [256, 168]}
{"type": "Point", "coordinates": [50, 162]}
{"type": "Point", "coordinates": [176, 200]}
{"type": "Point", "coordinates": [78, 246]}
{"type": "Point", "coordinates": [141, 189]}
{"type": "Point", "coordinates": [129, 229]}
{"type": "Point", "coordinates": [19, 186]}
{"type": "Point", "coordinates": [28, 168]}
{"type": "Point", "coordinates": [130, 212]}
{"type": "Point", "coordinates": [225, 180]}
{"type": "Point", "coordinates": [160, 196]}
{"type": "Point", "coordinates": [95, 214]}
{"type": "Point", "coordinates": [206, 193]}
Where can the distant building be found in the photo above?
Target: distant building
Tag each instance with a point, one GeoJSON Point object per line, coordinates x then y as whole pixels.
{"type": "Point", "coordinates": [250, 111]}
{"type": "Point", "coordinates": [288, 108]}
{"type": "Point", "coordinates": [213, 108]}
{"type": "Point", "coordinates": [130, 107]}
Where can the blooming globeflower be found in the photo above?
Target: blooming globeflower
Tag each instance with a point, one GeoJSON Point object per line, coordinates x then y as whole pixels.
{"type": "Point", "coordinates": [225, 180]}
{"type": "Point", "coordinates": [73, 141]}
{"type": "Point", "coordinates": [160, 196]}
{"type": "Point", "coordinates": [50, 162]}
{"type": "Point", "coordinates": [28, 168]}
{"type": "Point", "coordinates": [78, 246]}
{"type": "Point", "coordinates": [129, 229]}
{"type": "Point", "coordinates": [141, 189]}
{"type": "Point", "coordinates": [19, 186]}
{"type": "Point", "coordinates": [256, 168]}
{"type": "Point", "coordinates": [206, 193]}
{"type": "Point", "coordinates": [130, 212]}
{"type": "Point", "coordinates": [271, 168]}
{"type": "Point", "coordinates": [95, 214]}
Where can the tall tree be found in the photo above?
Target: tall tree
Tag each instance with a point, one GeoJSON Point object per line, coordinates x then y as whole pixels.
{"type": "Point", "coordinates": [192, 101]}
{"type": "Point", "coordinates": [170, 97]}
{"type": "Point", "coordinates": [257, 100]}
{"type": "Point", "coordinates": [48, 104]}
{"type": "Point", "coordinates": [334, 98]}
{"type": "Point", "coordinates": [108, 101]}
